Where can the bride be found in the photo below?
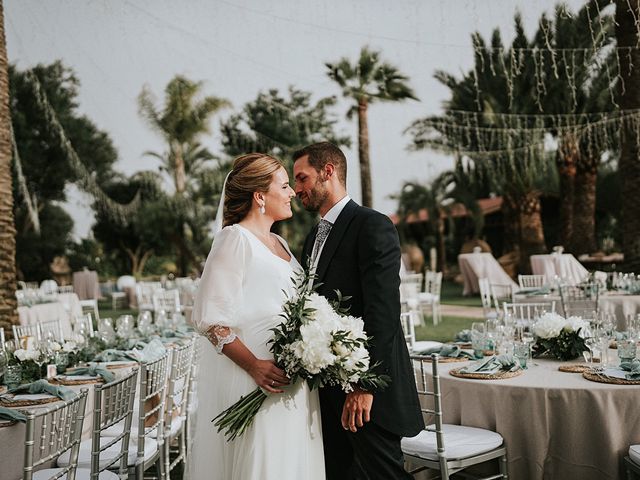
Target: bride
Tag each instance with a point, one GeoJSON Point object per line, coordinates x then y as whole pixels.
{"type": "Point", "coordinates": [239, 300]}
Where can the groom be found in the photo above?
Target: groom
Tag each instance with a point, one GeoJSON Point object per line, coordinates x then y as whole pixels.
{"type": "Point", "coordinates": [355, 250]}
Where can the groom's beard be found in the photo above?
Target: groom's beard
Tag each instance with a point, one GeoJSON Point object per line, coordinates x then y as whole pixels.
{"type": "Point", "coordinates": [315, 197]}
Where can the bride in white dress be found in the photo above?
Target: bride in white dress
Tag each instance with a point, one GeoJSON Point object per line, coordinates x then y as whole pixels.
{"type": "Point", "coordinates": [239, 300]}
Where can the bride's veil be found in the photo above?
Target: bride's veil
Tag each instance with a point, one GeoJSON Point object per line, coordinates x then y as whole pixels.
{"type": "Point", "coordinates": [217, 223]}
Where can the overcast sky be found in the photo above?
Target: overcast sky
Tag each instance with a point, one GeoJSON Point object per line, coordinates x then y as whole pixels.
{"type": "Point", "coordinates": [241, 47]}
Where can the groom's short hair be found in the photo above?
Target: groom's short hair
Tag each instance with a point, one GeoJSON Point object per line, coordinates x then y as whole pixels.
{"type": "Point", "coordinates": [320, 154]}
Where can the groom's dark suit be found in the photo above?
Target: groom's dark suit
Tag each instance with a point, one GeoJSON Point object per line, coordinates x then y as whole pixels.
{"type": "Point", "coordinates": [361, 259]}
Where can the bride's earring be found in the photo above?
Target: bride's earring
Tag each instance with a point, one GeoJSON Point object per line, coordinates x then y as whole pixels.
{"type": "Point", "coordinates": [262, 209]}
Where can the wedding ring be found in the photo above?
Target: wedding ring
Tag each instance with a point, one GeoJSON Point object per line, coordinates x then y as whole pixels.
{"type": "Point", "coordinates": [273, 382]}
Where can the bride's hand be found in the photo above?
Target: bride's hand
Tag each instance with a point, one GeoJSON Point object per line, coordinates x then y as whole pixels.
{"type": "Point", "coordinates": [268, 376]}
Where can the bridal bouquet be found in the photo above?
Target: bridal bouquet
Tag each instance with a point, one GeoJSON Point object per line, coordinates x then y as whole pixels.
{"type": "Point", "coordinates": [317, 342]}
{"type": "Point", "coordinates": [560, 337]}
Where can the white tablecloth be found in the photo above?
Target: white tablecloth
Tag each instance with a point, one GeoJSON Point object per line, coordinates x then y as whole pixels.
{"type": "Point", "coordinates": [481, 265]}
{"type": "Point", "coordinates": [555, 425]}
{"type": "Point", "coordinates": [66, 306]}
{"type": "Point", "coordinates": [86, 285]}
{"type": "Point", "coordinates": [564, 266]}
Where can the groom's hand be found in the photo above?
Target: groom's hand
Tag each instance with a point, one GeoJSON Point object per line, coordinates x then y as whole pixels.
{"type": "Point", "coordinates": [356, 409]}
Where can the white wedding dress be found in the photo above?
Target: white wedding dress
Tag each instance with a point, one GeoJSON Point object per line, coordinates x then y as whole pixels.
{"type": "Point", "coordinates": [242, 288]}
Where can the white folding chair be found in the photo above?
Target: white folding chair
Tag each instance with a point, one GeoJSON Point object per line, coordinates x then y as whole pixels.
{"type": "Point", "coordinates": [176, 407]}
{"type": "Point", "coordinates": [83, 323]}
{"type": "Point", "coordinates": [51, 433]}
{"type": "Point", "coordinates": [51, 329]}
{"type": "Point", "coordinates": [65, 289]}
{"type": "Point", "coordinates": [580, 301]}
{"type": "Point", "coordinates": [632, 462]}
{"type": "Point", "coordinates": [531, 281]}
{"type": "Point", "coordinates": [90, 305]}
{"type": "Point", "coordinates": [144, 294]}
{"type": "Point", "coordinates": [501, 293]}
{"type": "Point", "coordinates": [112, 405]}
{"type": "Point", "coordinates": [528, 311]}
{"type": "Point", "coordinates": [20, 331]}
{"type": "Point", "coordinates": [489, 310]}
{"type": "Point", "coordinates": [167, 300]}
{"type": "Point", "coordinates": [431, 294]}
{"type": "Point", "coordinates": [406, 320]}
{"type": "Point", "coordinates": [444, 447]}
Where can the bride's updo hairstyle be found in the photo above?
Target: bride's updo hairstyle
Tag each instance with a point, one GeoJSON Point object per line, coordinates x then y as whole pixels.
{"type": "Point", "coordinates": [251, 173]}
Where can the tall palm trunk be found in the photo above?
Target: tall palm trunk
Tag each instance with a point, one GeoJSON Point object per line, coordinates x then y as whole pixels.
{"type": "Point", "coordinates": [511, 224]}
{"type": "Point", "coordinates": [363, 154]}
{"type": "Point", "coordinates": [8, 302]}
{"type": "Point", "coordinates": [526, 208]}
{"type": "Point", "coordinates": [179, 173]}
{"type": "Point", "coordinates": [629, 165]}
{"type": "Point", "coordinates": [566, 163]}
{"type": "Point", "coordinates": [584, 206]}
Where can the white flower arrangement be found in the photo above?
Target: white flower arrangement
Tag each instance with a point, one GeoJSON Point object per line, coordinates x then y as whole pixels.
{"type": "Point", "coordinates": [69, 346]}
{"type": "Point", "coordinates": [26, 354]}
{"type": "Point", "coordinates": [560, 337]}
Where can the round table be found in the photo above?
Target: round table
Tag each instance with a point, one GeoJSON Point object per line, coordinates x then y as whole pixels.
{"type": "Point", "coordinates": [555, 424]}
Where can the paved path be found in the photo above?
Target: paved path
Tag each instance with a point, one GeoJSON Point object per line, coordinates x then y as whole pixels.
{"type": "Point", "coordinates": [460, 311]}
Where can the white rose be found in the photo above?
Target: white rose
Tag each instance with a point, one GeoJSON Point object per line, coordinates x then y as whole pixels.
{"type": "Point", "coordinates": [549, 325]}
{"type": "Point", "coordinates": [55, 346]}
{"type": "Point", "coordinates": [69, 346]}
{"type": "Point", "coordinates": [20, 354]}
{"type": "Point", "coordinates": [573, 324]}
{"type": "Point", "coordinates": [32, 354]}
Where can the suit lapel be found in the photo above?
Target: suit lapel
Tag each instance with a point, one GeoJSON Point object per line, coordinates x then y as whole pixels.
{"type": "Point", "coordinates": [333, 240]}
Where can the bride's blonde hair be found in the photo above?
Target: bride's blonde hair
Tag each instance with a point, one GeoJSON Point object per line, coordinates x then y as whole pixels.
{"type": "Point", "coordinates": [251, 173]}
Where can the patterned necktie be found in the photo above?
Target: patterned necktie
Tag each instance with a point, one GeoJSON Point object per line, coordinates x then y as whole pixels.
{"type": "Point", "coordinates": [324, 227]}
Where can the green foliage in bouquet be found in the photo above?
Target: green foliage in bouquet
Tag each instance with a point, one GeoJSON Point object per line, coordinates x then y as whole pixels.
{"type": "Point", "coordinates": [568, 345]}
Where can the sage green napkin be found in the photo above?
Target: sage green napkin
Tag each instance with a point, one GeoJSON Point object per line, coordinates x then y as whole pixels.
{"type": "Point", "coordinates": [493, 364]}
{"type": "Point", "coordinates": [507, 362]}
{"type": "Point", "coordinates": [10, 414]}
{"type": "Point", "coordinates": [446, 350]}
{"type": "Point", "coordinates": [112, 355]}
{"type": "Point", "coordinates": [42, 386]}
{"type": "Point", "coordinates": [96, 371]}
{"type": "Point", "coordinates": [463, 336]}
{"type": "Point", "coordinates": [633, 367]}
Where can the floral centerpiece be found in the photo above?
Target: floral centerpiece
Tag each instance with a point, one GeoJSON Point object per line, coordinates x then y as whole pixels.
{"type": "Point", "coordinates": [559, 337]}
{"type": "Point", "coordinates": [27, 359]}
{"type": "Point", "coordinates": [317, 342]}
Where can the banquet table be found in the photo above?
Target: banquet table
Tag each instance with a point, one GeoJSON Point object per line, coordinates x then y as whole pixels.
{"type": "Point", "coordinates": [86, 285]}
{"type": "Point", "coordinates": [64, 307]}
{"type": "Point", "coordinates": [481, 265]}
{"type": "Point", "coordinates": [12, 437]}
{"type": "Point", "coordinates": [555, 425]}
{"type": "Point", "coordinates": [563, 266]}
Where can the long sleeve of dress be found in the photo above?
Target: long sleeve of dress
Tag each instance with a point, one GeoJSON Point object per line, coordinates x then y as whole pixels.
{"type": "Point", "coordinates": [221, 288]}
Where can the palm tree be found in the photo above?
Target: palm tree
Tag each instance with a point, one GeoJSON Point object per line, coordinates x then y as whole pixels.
{"type": "Point", "coordinates": [182, 119]}
{"type": "Point", "coordinates": [8, 303]}
{"type": "Point", "coordinates": [627, 36]}
{"type": "Point", "coordinates": [367, 81]}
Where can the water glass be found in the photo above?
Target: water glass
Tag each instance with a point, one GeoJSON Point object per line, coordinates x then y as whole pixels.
{"type": "Point", "coordinates": [626, 350]}
{"type": "Point", "coordinates": [13, 376]}
{"type": "Point", "coordinates": [521, 352]}
{"type": "Point", "coordinates": [478, 343]}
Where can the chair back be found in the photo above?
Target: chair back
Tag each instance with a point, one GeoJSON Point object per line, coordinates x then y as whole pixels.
{"type": "Point", "coordinates": [579, 292]}
{"type": "Point", "coordinates": [113, 403]}
{"type": "Point", "coordinates": [408, 327]}
{"type": "Point", "coordinates": [528, 311]}
{"type": "Point", "coordinates": [84, 323]}
{"type": "Point", "coordinates": [586, 309]}
{"type": "Point", "coordinates": [410, 286]}
{"type": "Point", "coordinates": [32, 330]}
{"type": "Point", "coordinates": [152, 400]}
{"type": "Point", "coordinates": [485, 294]}
{"type": "Point", "coordinates": [167, 300]}
{"type": "Point", "coordinates": [531, 281]}
{"type": "Point", "coordinates": [50, 433]}
{"type": "Point", "coordinates": [501, 293]}
{"type": "Point", "coordinates": [65, 289]}
{"type": "Point", "coordinates": [178, 385]}
{"type": "Point", "coordinates": [90, 306]}
{"type": "Point", "coordinates": [144, 294]}
{"type": "Point", "coordinates": [430, 397]}
{"type": "Point", "coordinates": [52, 329]}
{"type": "Point", "coordinates": [433, 283]}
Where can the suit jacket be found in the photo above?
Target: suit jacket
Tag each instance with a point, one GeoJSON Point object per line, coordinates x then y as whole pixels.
{"type": "Point", "coordinates": [361, 259]}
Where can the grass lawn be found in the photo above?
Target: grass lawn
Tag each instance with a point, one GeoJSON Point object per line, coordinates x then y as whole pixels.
{"type": "Point", "coordinates": [451, 294]}
{"type": "Point", "coordinates": [445, 331]}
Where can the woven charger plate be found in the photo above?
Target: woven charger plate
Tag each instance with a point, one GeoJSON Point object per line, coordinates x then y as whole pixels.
{"type": "Point", "coordinates": [574, 368]}
{"type": "Point", "coordinates": [448, 359]}
{"type": "Point", "coordinates": [501, 375]}
{"type": "Point", "coordinates": [5, 400]}
{"type": "Point", "coordinates": [594, 377]}
{"type": "Point", "coordinates": [119, 364]}
{"type": "Point", "coordinates": [70, 381]}
{"type": "Point", "coordinates": [7, 423]}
